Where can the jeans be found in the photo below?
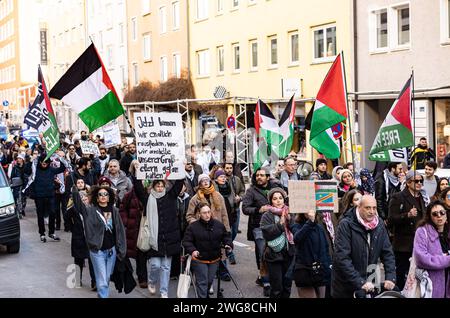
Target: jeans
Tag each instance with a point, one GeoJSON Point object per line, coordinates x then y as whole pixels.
{"type": "Point", "coordinates": [260, 245]}
{"type": "Point", "coordinates": [103, 262]}
{"type": "Point", "coordinates": [45, 206]}
{"type": "Point", "coordinates": [204, 277]}
{"type": "Point", "coordinates": [20, 199]}
{"type": "Point", "coordinates": [161, 266]}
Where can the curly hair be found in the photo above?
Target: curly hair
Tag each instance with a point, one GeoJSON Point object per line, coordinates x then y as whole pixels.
{"type": "Point", "coordinates": [94, 195]}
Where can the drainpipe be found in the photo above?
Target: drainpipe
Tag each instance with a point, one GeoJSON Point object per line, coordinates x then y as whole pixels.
{"type": "Point", "coordinates": [355, 67]}
{"type": "Point", "coordinates": [188, 39]}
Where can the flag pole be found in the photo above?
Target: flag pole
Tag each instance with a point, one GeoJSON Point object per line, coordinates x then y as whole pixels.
{"type": "Point", "coordinates": [413, 112]}
{"type": "Point", "coordinates": [348, 111]}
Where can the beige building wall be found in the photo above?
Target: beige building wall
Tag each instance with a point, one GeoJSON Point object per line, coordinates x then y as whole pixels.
{"type": "Point", "coordinates": [157, 40]}
{"type": "Point", "coordinates": [259, 21]}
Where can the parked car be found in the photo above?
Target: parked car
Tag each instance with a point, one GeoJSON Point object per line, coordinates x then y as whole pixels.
{"type": "Point", "coordinates": [9, 218]}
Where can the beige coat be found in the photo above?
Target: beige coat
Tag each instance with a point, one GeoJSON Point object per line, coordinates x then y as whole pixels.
{"type": "Point", "coordinates": [220, 215]}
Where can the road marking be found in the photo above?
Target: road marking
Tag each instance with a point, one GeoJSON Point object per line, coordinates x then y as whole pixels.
{"type": "Point", "coordinates": [236, 243]}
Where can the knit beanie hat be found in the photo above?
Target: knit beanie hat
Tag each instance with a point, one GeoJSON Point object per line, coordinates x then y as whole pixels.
{"type": "Point", "coordinates": [219, 173]}
{"type": "Point", "coordinates": [276, 190]}
{"type": "Point", "coordinates": [203, 176]}
{"type": "Point", "coordinates": [319, 161]}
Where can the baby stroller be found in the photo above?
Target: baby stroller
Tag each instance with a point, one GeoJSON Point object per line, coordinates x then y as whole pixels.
{"type": "Point", "coordinates": [379, 293]}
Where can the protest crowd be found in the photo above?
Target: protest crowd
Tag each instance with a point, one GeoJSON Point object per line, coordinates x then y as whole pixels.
{"type": "Point", "coordinates": [386, 218]}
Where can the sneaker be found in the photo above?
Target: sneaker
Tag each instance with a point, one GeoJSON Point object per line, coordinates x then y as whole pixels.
{"type": "Point", "coordinates": [259, 282]}
{"type": "Point", "coordinates": [211, 290]}
{"type": "Point", "coordinates": [143, 285]}
{"type": "Point", "coordinates": [164, 296]}
{"type": "Point", "coordinates": [151, 289]}
{"type": "Point", "coordinates": [58, 228]}
{"type": "Point", "coordinates": [43, 239]}
{"type": "Point", "coordinates": [54, 237]}
{"type": "Point", "coordinates": [232, 259]}
{"type": "Point", "coordinates": [266, 291]}
{"type": "Point", "coordinates": [93, 287]}
{"type": "Point", "coordinates": [239, 231]}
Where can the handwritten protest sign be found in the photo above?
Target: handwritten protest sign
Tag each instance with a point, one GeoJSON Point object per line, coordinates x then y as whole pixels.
{"type": "Point", "coordinates": [89, 148]}
{"type": "Point", "coordinates": [160, 146]}
{"type": "Point", "coordinates": [111, 134]}
{"type": "Point", "coordinates": [320, 196]}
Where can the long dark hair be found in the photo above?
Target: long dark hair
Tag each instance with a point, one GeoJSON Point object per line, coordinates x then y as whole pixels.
{"type": "Point", "coordinates": [347, 200]}
{"type": "Point", "coordinates": [438, 188]}
{"type": "Point", "coordinates": [94, 194]}
{"type": "Point", "coordinates": [427, 217]}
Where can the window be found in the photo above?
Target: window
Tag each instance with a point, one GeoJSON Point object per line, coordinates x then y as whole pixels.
{"type": "Point", "coordinates": [203, 63]}
{"type": "Point", "coordinates": [273, 51]}
{"type": "Point", "coordinates": [176, 65]}
{"type": "Point", "coordinates": [250, 2]}
{"type": "Point", "coordinates": [147, 46]}
{"type": "Point", "coordinates": [100, 40]}
{"type": "Point", "coordinates": [219, 6]}
{"type": "Point", "coordinates": [253, 55]}
{"type": "Point", "coordinates": [220, 60]}
{"type": "Point", "coordinates": [236, 57]}
{"type": "Point", "coordinates": [121, 34]}
{"type": "Point", "coordinates": [234, 4]}
{"type": "Point", "coordinates": [123, 75]}
{"type": "Point", "coordinates": [445, 21]}
{"type": "Point", "coordinates": [145, 7]}
{"type": "Point", "coordinates": [134, 28]}
{"type": "Point", "coordinates": [176, 15]}
{"type": "Point", "coordinates": [294, 54]}
{"type": "Point", "coordinates": [109, 54]}
{"type": "Point", "coordinates": [164, 73]}
{"type": "Point", "coordinates": [324, 43]}
{"type": "Point", "coordinates": [136, 74]}
{"type": "Point", "coordinates": [382, 28]}
{"type": "Point", "coordinates": [109, 16]}
{"type": "Point", "coordinates": [403, 25]}
{"type": "Point", "coordinates": [202, 9]}
{"type": "Point", "coordinates": [448, 18]}
{"type": "Point", "coordinates": [163, 19]}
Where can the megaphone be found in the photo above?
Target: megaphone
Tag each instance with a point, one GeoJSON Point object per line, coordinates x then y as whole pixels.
{"type": "Point", "coordinates": [305, 169]}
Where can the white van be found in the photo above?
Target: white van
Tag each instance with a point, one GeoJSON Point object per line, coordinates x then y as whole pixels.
{"type": "Point", "coordinates": [9, 218]}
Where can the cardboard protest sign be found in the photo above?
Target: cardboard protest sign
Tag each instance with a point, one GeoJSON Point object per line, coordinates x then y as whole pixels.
{"type": "Point", "coordinates": [111, 134]}
{"type": "Point", "coordinates": [160, 146]}
{"type": "Point", "coordinates": [320, 196]}
{"type": "Point", "coordinates": [89, 148]}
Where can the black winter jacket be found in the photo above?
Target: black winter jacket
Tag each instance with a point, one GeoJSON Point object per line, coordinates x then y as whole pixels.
{"type": "Point", "coordinates": [404, 228]}
{"type": "Point", "coordinates": [43, 183]}
{"type": "Point", "coordinates": [253, 200]}
{"type": "Point", "coordinates": [169, 238]}
{"type": "Point", "coordinates": [271, 230]}
{"type": "Point", "coordinates": [207, 238]}
{"type": "Point", "coordinates": [384, 197]}
{"type": "Point", "coordinates": [354, 256]}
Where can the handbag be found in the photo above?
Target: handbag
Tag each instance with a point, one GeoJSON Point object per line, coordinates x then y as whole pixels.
{"type": "Point", "coordinates": [184, 281]}
{"type": "Point", "coordinates": [143, 240]}
{"type": "Point", "coordinates": [278, 244]}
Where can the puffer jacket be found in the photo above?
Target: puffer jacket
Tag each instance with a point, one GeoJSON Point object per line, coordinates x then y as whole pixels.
{"type": "Point", "coordinates": [131, 210]}
{"type": "Point", "coordinates": [356, 255]}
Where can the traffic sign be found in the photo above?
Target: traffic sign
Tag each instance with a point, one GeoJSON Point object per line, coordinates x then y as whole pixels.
{"type": "Point", "coordinates": [337, 130]}
{"type": "Point", "coordinates": [231, 122]}
{"type": "Point", "coordinates": [5, 103]}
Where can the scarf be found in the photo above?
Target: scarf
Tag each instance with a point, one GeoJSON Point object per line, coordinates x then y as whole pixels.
{"type": "Point", "coordinates": [329, 224]}
{"type": "Point", "coordinates": [153, 216]}
{"type": "Point", "coordinates": [211, 191]}
{"type": "Point", "coordinates": [367, 225]}
{"type": "Point", "coordinates": [190, 175]}
{"type": "Point", "coordinates": [280, 212]}
{"type": "Point", "coordinates": [368, 186]}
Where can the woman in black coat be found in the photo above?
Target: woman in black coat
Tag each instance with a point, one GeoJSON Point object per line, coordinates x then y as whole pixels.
{"type": "Point", "coordinates": [165, 239]}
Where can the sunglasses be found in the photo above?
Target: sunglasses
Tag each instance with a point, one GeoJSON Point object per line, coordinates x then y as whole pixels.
{"type": "Point", "coordinates": [103, 194]}
{"type": "Point", "coordinates": [438, 213]}
{"type": "Point", "coordinates": [418, 181]}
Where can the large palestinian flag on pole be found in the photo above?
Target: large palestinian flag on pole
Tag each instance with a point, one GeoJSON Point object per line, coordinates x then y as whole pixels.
{"type": "Point", "coordinates": [395, 133]}
{"type": "Point", "coordinates": [87, 88]}
{"type": "Point", "coordinates": [42, 117]}
{"type": "Point", "coordinates": [286, 125]}
{"type": "Point", "coordinates": [330, 109]}
{"type": "Point", "coordinates": [267, 134]}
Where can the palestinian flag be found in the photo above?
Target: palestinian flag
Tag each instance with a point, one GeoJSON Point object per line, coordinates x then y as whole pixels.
{"type": "Point", "coordinates": [330, 109]}
{"type": "Point", "coordinates": [286, 126]}
{"type": "Point", "coordinates": [87, 88]}
{"type": "Point", "coordinates": [267, 133]}
{"type": "Point", "coordinates": [396, 130]}
{"type": "Point", "coordinates": [43, 117]}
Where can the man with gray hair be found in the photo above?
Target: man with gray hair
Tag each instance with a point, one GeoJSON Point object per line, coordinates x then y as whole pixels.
{"type": "Point", "coordinates": [361, 240]}
{"type": "Point", "coordinates": [406, 208]}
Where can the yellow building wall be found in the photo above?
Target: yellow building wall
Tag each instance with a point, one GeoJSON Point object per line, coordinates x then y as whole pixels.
{"type": "Point", "coordinates": [259, 21]}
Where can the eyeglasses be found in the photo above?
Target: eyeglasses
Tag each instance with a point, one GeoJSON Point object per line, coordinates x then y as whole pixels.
{"type": "Point", "coordinates": [438, 213]}
{"type": "Point", "coordinates": [103, 194]}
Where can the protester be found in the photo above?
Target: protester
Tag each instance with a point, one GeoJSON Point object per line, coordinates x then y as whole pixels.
{"type": "Point", "coordinates": [367, 182]}
{"type": "Point", "coordinates": [430, 181]}
{"type": "Point", "coordinates": [255, 204]}
{"type": "Point", "coordinates": [165, 242]}
{"type": "Point", "coordinates": [441, 186]}
{"type": "Point", "coordinates": [445, 197]}
{"type": "Point", "coordinates": [191, 180]}
{"type": "Point", "coordinates": [321, 169]}
{"type": "Point", "coordinates": [72, 156]}
{"type": "Point", "coordinates": [336, 174]}
{"type": "Point", "coordinates": [386, 185]}
{"type": "Point", "coordinates": [406, 208]}
{"type": "Point", "coordinates": [421, 154]}
{"type": "Point", "coordinates": [350, 200]}
{"type": "Point", "coordinates": [432, 248]}
{"type": "Point", "coordinates": [347, 183]}
{"type": "Point", "coordinates": [129, 156]}
{"type": "Point", "coordinates": [120, 182]}
{"type": "Point", "coordinates": [103, 159]}
{"type": "Point", "coordinates": [312, 270]}
{"type": "Point", "coordinates": [18, 179]}
{"type": "Point", "coordinates": [354, 259]}
{"type": "Point", "coordinates": [203, 240]}
{"type": "Point", "coordinates": [289, 172]}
